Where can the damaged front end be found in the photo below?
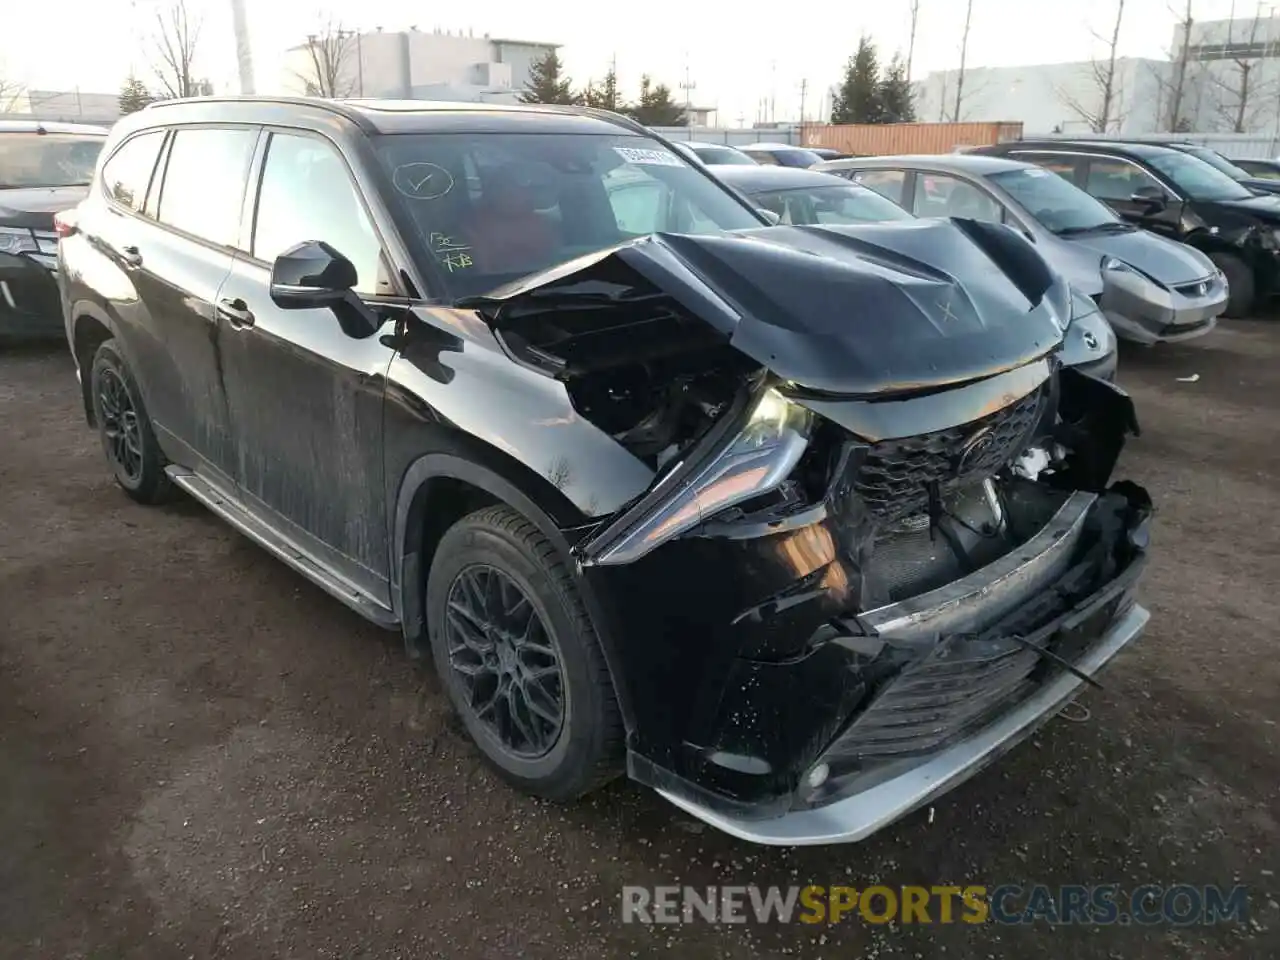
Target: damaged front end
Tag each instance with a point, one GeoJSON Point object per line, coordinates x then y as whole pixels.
{"type": "Point", "coordinates": [882, 543]}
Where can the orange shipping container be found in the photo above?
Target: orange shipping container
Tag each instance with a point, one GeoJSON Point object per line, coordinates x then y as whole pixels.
{"type": "Point", "coordinates": [889, 139]}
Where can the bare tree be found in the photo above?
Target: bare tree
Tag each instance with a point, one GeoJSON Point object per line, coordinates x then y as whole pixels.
{"type": "Point", "coordinates": [175, 40]}
{"type": "Point", "coordinates": [328, 53]}
{"type": "Point", "coordinates": [1241, 88]}
{"type": "Point", "coordinates": [1101, 109]}
{"type": "Point", "coordinates": [1175, 117]}
{"type": "Point", "coordinates": [964, 53]}
{"type": "Point", "coordinates": [10, 92]}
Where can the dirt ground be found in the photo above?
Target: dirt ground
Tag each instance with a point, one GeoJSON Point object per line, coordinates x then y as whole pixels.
{"type": "Point", "coordinates": [201, 755]}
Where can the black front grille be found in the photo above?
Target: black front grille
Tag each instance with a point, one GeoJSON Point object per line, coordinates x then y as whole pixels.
{"type": "Point", "coordinates": [894, 477]}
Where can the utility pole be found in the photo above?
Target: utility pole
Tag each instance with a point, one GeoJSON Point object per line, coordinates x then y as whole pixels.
{"type": "Point", "coordinates": [804, 89]}
{"type": "Point", "coordinates": [773, 91]}
{"type": "Point", "coordinates": [688, 87]}
{"type": "Point", "coordinates": [964, 52]}
{"type": "Point", "coordinates": [911, 42]}
{"type": "Point", "coordinates": [244, 50]}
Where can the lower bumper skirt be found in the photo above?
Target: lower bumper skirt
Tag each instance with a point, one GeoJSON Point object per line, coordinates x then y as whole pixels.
{"type": "Point", "coordinates": [860, 815]}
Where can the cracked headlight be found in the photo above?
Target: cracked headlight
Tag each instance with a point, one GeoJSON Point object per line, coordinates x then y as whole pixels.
{"type": "Point", "coordinates": [17, 240]}
{"type": "Point", "coordinates": [759, 458]}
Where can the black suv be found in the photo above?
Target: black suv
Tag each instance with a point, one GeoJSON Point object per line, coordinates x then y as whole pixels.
{"type": "Point", "coordinates": [788, 523]}
{"type": "Point", "coordinates": [1172, 192]}
{"type": "Point", "coordinates": [45, 168]}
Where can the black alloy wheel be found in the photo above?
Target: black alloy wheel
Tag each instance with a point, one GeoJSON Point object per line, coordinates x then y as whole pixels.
{"type": "Point", "coordinates": [506, 661]}
{"type": "Point", "coordinates": [122, 438]}
{"type": "Point", "coordinates": [128, 441]}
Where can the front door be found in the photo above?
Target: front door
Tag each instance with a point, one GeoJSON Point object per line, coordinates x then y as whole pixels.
{"type": "Point", "coordinates": [306, 399]}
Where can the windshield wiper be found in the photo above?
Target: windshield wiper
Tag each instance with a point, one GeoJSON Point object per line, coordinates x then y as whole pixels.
{"type": "Point", "coordinates": [1113, 226]}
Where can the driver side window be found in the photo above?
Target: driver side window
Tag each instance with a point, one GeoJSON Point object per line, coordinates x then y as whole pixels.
{"type": "Point", "coordinates": [307, 194]}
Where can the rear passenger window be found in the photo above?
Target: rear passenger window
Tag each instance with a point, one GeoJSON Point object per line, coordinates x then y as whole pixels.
{"type": "Point", "coordinates": [204, 182]}
{"type": "Point", "coordinates": [127, 172]}
{"type": "Point", "coordinates": [887, 183]}
{"type": "Point", "coordinates": [938, 195]}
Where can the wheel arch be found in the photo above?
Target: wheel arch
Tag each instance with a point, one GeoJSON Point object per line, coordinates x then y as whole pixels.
{"type": "Point", "coordinates": [439, 489]}
{"type": "Point", "coordinates": [91, 327]}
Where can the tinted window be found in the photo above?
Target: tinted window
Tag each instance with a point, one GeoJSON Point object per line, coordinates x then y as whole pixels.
{"type": "Point", "coordinates": [490, 208]}
{"type": "Point", "coordinates": [1053, 201]}
{"type": "Point", "coordinates": [47, 159]}
{"type": "Point", "coordinates": [887, 183]}
{"type": "Point", "coordinates": [1197, 179]}
{"type": "Point", "coordinates": [1061, 164]}
{"type": "Point", "coordinates": [1118, 179]}
{"type": "Point", "coordinates": [1216, 160]}
{"type": "Point", "coordinates": [938, 195]}
{"type": "Point", "coordinates": [838, 203]}
{"type": "Point", "coordinates": [796, 158]}
{"type": "Point", "coordinates": [204, 182]}
{"type": "Point", "coordinates": [307, 194]}
{"type": "Point", "coordinates": [127, 172]}
{"type": "Point", "coordinates": [762, 156]}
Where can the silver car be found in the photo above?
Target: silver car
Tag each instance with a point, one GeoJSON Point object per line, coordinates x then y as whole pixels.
{"type": "Point", "coordinates": [1152, 290]}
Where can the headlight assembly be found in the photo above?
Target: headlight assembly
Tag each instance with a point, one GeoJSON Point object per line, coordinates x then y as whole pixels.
{"type": "Point", "coordinates": [1111, 263]}
{"type": "Point", "coordinates": [17, 240]}
{"type": "Point", "coordinates": [759, 458]}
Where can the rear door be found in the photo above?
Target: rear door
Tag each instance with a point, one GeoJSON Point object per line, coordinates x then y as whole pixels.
{"type": "Point", "coordinates": [305, 399]}
{"type": "Point", "coordinates": [178, 262]}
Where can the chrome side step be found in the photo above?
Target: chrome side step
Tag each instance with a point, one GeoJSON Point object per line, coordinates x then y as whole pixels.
{"type": "Point", "coordinates": [276, 543]}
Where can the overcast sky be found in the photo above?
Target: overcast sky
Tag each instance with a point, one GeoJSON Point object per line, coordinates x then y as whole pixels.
{"type": "Point", "coordinates": [755, 52]}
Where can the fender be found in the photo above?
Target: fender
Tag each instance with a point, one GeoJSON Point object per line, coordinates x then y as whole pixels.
{"type": "Point", "coordinates": [407, 561]}
{"type": "Point", "coordinates": [79, 311]}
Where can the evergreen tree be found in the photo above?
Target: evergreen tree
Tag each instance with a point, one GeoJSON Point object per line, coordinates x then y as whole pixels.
{"type": "Point", "coordinates": [133, 96]}
{"type": "Point", "coordinates": [857, 99]}
{"type": "Point", "coordinates": [605, 96]}
{"type": "Point", "coordinates": [897, 103]}
{"type": "Point", "coordinates": [655, 108]}
{"type": "Point", "coordinates": [545, 83]}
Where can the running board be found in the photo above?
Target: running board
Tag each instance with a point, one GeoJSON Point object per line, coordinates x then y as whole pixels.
{"type": "Point", "coordinates": [279, 545]}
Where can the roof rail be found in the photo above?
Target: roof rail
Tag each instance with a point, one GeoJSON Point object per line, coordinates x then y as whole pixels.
{"type": "Point", "coordinates": [318, 103]}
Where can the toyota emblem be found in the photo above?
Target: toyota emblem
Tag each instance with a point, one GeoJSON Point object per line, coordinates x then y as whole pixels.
{"type": "Point", "coordinates": [1090, 340]}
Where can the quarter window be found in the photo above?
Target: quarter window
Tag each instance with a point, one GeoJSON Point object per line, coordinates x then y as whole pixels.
{"type": "Point", "coordinates": [127, 173]}
{"type": "Point", "coordinates": [204, 182]}
{"type": "Point", "coordinates": [307, 194]}
{"type": "Point", "coordinates": [1117, 179]}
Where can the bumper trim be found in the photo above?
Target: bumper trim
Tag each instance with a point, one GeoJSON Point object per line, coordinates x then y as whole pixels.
{"type": "Point", "coordinates": [858, 816]}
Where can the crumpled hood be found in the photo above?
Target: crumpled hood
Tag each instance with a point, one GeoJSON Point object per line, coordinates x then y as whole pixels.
{"type": "Point", "coordinates": [1164, 261]}
{"type": "Point", "coordinates": [34, 207]}
{"type": "Point", "coordinates": [857, 310]}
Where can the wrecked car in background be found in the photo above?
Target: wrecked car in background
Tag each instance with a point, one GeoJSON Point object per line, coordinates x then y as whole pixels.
{"type": "Point", "coordinates": [799, 526]}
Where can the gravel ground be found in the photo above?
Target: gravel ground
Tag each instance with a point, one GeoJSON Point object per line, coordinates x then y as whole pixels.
{"type": "Point", "coordinates": [201, 755]}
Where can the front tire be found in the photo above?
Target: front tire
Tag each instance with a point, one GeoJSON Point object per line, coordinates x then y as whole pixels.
{"type": "Point", "coordinates": [520, 658]}
{"type": "Point", "coordinates": [1240, 284]}
{"type": "Point", "coordinates": [128, 441]}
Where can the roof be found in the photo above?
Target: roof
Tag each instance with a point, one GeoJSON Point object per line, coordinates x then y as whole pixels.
{"type": "Point", "coordinates": [771, 146]}
{"type": "Point", "coordinates": [50, 126]}
{"type": "Point", "coordinates": [1138, 149]}
{"type": "Point", "coordinates": [970, 163]}
{"type": "Point", "coordinates": [393, 116]}
{"type": "Point", "coordinates": [762, 178]}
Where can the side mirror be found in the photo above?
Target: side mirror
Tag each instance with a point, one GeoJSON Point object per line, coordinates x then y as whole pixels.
{"type": "Point", "coordinates": [311, 274]}
{"type": "Point", "coordinates": [769, 215]}
{"type": "Point", "coordinates": [1152, 197]}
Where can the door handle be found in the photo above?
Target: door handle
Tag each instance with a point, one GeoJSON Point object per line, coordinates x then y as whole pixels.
{"type": "Point", "coordinates": [236, 312]}
{"type": "Point", "coordinates": [131, 257]}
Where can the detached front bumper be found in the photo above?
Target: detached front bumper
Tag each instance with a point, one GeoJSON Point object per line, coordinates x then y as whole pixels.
{"type": "Point", "coordinates": [30, 305]}
{"type": "Point", "coordinates": [862, 814]}
{"type": "Point", "coordinates": [1143, 312]}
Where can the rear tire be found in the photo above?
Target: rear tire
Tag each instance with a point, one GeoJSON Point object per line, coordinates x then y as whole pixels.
{"type": "Point", "coordinates": [1240, 284]}
{"type": "Point", "coordinates": [518, 654]}
{"type": "Point", "coordinates": [128, 441]}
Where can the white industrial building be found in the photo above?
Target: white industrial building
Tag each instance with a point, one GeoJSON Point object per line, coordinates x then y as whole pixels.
{"type": "Point", "coordinates": [1066, 97]}
{"type": "Point", "coordinates": [420, 65]}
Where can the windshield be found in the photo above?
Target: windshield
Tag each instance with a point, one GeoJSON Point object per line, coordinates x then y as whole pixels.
{"type": "Point", "coordinates": [491, 208]}
{"type": "Point", "coordinates": [1218, 162]}
{"type": "Point", "coordinates": [47, 159]}
{"type": "Point", "coordinates": [722, 156]}
{"type": "Point", "coordinates": [837, 203]}
{"type": "Point", "coordinates": [1197, 179]}
{"type": "Point", "coordinates": [1056, 204]}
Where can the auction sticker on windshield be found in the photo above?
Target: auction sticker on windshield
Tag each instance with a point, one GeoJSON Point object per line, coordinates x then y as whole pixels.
{"type": "Point", "coordinates": [659, 158]}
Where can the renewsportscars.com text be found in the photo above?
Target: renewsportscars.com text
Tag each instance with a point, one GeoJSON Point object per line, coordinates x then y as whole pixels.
{"type": "Point", "coordinates": [1010, 904]}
